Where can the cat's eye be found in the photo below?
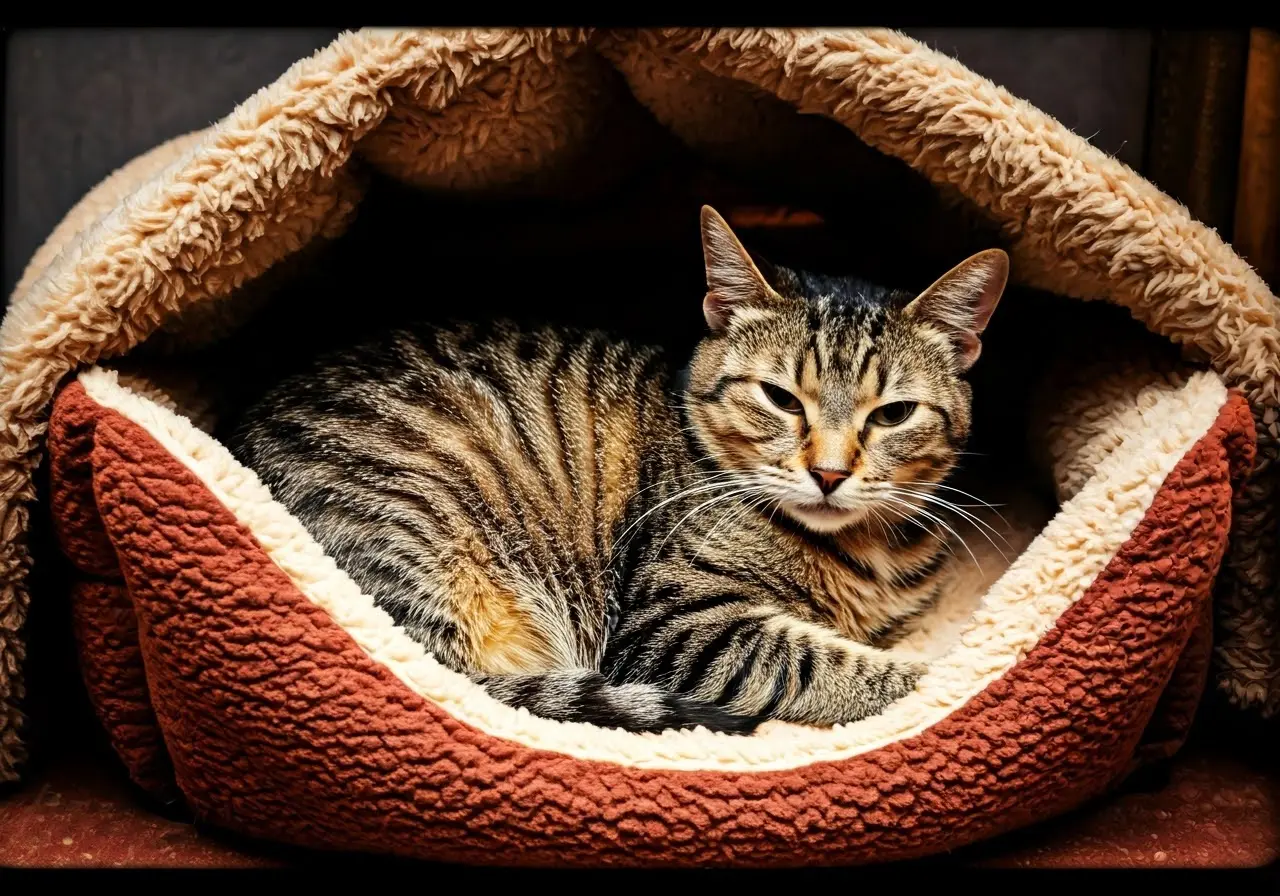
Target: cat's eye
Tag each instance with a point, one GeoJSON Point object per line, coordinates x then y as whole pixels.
{"type": "Point", "coordinates": [895, 413]}
{"type": "Point", "coordinates": [782, 398]}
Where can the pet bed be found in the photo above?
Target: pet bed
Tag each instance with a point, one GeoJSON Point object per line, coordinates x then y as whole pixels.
{"type": "Point", "coordinates": [234, 664]}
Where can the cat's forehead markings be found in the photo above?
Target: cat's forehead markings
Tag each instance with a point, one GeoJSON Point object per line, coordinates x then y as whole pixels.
{"type": "Point", "coordinates": [847, 340]}
{"type": "Point", "coordinates": [889, 377]}
{"type": "Point", "coordinates": [868, 384]}
{"type": "Point", "coordinates": [809, 368]}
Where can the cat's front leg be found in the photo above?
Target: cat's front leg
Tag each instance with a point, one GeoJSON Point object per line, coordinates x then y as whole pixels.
{"type": "Point", "coordinates": [801, 672]}
{"type": "Point", "coordinates": [754, 660]}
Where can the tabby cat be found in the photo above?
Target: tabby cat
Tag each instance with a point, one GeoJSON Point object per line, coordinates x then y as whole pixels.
{"type": "Point", "coordinates": [597, 538]}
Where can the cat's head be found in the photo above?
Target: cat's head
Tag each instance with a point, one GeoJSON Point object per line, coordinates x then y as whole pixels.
{"type": "Point", "coordinates": [833, 399]}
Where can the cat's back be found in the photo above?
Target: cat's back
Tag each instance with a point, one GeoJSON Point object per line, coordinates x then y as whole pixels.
{"type": "Point", "coordinates": [517, 449]}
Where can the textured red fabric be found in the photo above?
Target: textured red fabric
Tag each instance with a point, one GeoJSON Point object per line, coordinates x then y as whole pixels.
{"type": "Point", "coordinates": [281, 727]}
{"type": "Point", "coordinates": [106, 632]}
{"type": "Point", "coordinates": [1171, 722]}
{"type": "Point", "coordinates": [75, 515]}
{"type": "Point", "coordinates": [102, 616]}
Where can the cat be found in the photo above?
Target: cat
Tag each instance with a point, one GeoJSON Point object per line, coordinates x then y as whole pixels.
{"type": "Point", "coordinates": [595, 537]}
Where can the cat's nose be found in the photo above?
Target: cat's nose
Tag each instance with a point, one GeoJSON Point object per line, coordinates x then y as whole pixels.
{"type": "Point", "coordinates": [828, 480]}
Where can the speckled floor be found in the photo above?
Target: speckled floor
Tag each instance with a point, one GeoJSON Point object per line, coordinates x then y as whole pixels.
{"type": "Point", "coordinates": [1212, 807]}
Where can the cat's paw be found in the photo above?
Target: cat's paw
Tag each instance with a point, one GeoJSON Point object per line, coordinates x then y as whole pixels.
{"type": "Point", "coordinates": [904, 676]}
{"type": "Point", "coordinates": [893, 680]}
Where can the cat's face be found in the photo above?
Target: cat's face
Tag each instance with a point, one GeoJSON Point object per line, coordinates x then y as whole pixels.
{"type": "Point", "coordinates": [835, 401]}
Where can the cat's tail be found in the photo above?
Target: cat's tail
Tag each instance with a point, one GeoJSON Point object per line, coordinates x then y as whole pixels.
{"type": "Point", "coordinates": [582, 695]}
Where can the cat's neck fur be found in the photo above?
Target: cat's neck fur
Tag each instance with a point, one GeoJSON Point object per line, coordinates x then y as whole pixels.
{"type": "Point", "coordinates": [856, 576]}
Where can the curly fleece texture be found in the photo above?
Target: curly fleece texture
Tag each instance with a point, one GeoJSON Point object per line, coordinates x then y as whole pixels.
{"type": "Point", "coordinates": [1013, 614]}
{"type": "Point", "coordinates": [283, 721]}
{"type": "Point", "coordinates": [161, 242]}
{"type": "Point", "coordinates": [157, 248]}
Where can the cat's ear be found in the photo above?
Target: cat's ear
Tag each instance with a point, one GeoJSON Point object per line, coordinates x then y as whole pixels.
{"type": "Point", "coordinates": [734, 283]}
{"type": "Point", "coordinates": [961, 301]}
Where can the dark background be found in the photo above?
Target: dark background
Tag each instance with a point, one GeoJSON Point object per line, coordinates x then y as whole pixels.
{"type": "Point", "coordinates": [80, 103]}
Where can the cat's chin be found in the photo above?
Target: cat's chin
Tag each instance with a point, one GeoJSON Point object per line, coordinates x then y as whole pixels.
{"type": "Point", "coordinates": [822, 518]}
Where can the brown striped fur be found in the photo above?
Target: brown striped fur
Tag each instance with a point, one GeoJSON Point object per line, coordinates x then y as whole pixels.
{"type": "Point", "coordinates": [554, 513]}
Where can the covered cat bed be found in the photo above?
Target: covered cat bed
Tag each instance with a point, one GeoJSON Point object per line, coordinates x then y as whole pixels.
{"type": "Point", "coordinates": [233, 664]}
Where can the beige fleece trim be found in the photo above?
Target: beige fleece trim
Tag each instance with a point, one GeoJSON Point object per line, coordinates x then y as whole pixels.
{"type": "Point", "coordinates": [252, 189]}
{"type": "Point", "coordinates": [102, 199]}
{"type": "Point", "coordinates": [1054, 571]}
{"type": "Point", "coordinates": [272, 176]}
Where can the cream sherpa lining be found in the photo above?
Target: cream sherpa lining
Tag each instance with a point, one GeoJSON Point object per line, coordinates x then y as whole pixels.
{"type": "Point", "coordinates": [223, 206]}
{"type": "Point", "coordinates": [1060, 564]}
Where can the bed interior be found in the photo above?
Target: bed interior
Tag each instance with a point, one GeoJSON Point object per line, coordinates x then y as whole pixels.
{"type": "Point", "coordinates": [625, 256]}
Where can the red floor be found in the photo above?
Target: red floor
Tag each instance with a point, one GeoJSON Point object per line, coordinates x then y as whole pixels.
{"type": "Point", "coordinates": [1215, 810]}
{"type": "Point", "coordinates": [1218, 806]}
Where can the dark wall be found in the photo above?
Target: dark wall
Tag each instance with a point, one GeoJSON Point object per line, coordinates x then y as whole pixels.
{"type": "Point", "coordinates": [1093, 80]}
{"type": "Point", "coordinates": [81, 102]}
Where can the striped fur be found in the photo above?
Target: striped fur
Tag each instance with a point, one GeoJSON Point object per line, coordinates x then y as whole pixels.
{"type": "Point", "coordinates": [555, 514]}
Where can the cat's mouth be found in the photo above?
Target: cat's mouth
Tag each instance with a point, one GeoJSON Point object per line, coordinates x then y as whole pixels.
{"type": "Point", "coordinates": [822, 516]}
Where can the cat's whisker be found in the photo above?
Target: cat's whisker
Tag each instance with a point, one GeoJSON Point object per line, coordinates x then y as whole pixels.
{"type": "Point", "coordinates": [907, 518]}
{"type": "Point", "coordinates": [684, 493]}
{"type": "Point", "coordinates": [979, 523]}
{"type": "Point", "coordinates": [980, 531]}
{"type": "Point", "coordinates": [777, 505]}
{"type": "Point", "coordinates": [735, 480]}
{"type": "Point", "coordinates": [885, 529]}
{"type": "Point", "coordinates": [747, 505]}
{"type": "Point", "coordinates": [958, 491]}
{"type": "Point", "coordinates": [735, 515]}
{"type": "Point", "coordinates": [696, 476]}
{"type": "Point", "coordinates": [876, 519]}
{"type": "Point", "coordinates": [941, 522]}
{"type": "Point", "coordinates": [717, 498]}
{"type": "Point", "coordinates": [928, 496]}
{"type": "Point", "coordinates": [942, 502]}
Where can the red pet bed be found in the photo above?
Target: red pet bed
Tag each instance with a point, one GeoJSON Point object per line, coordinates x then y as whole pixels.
{"type": "Point", "coordinates": [237, 667]}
